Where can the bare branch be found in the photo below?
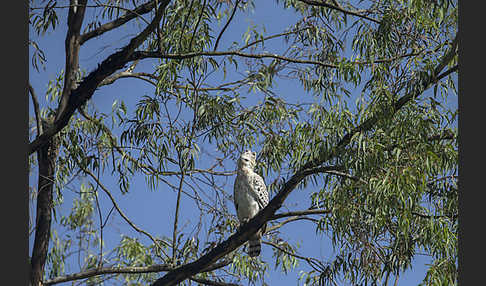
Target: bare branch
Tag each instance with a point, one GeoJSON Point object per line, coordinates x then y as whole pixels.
{"type": "Point", "coordinates": [226, 25]}
{"type": "Point", "coordinates": [313, 262]}
{"type": "Point", "coordinates": [212, 282]}
{"type": "Point", "coordinates": [109, 270]}
{"type": "Point", "coordinates": [124, 270]}
{"type": "Point", "coordinates": [145, 55]}
{"type": "Point", "coordinates": [272, 37]}
{"type": "Point", "coordinates": [339, 8]}
{"type": "Point", "coordinates": [126, 74]}
{"type": "Point", "coordinates": [131, 14]}
{"type": "Point", "coordinates": [301, 213]}
{"type": "Point", "coordinates": [291, 219]}
{"type": "Point", "coordinates": [176, 216]}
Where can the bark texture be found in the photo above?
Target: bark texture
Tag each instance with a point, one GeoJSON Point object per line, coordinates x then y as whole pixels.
{"type": "Point", "coordinates": [46, 157]}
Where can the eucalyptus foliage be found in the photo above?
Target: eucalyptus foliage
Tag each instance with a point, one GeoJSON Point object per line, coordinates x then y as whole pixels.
{"type": "Point", "coordinates": [376, 99]}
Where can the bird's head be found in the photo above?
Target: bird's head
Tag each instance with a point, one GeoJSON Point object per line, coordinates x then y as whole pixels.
{"type": "Point", "coordinates": [247, 160]}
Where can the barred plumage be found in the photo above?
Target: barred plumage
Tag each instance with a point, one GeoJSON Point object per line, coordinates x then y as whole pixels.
{"type": "Point", "coordinates": [250, 196]}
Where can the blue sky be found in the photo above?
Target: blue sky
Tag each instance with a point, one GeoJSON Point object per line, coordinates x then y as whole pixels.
{"type": "Point", "coordinates": [153, 211]}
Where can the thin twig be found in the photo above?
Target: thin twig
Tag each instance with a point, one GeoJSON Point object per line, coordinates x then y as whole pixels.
{"type": "Point", "coordinates": [176, 218]}
{"type": "Point", "coordinates": [100, 262]}
{"type": "Point", "coordinates": [151, 54]}
{"type": "Point", "coordinates": [313, 262]}
{"type": "Point", "coordinates": [130, 14]}
{"type": "Point", "coordinates": [226, 25]}
{"type": "Point", "coordinates": [340, 9]}
{"type": "Point", "coordinates": [343, 174]}
{"type": "Point", "coordinates": [301, 213]}
{"type": "Point", "coordinates": [145, 55]}
{"type": "Point", "coordinates": [272, 37]}
{"type": "Point", "coordinates": [291, 219]}
{"type": "Point", "coordinates": [108, 193]}
{"type": "Point", "coordinates": [197, 24]}
{"type": "Point", "coordinates": [144, 76]}
{"type": "Point", "coordinates": [184, 25]}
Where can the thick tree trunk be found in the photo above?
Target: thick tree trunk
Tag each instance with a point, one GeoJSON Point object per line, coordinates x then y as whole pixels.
{"type": "Point", "coordinates": [46, 157]}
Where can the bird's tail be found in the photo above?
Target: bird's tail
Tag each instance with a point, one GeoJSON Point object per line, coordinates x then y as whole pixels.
{"type": "Point", "coordinates": [254, 247]}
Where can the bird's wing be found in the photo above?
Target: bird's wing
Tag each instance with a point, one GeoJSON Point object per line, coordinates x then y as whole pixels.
{"type": "Point", "coordinates": [260, 190]}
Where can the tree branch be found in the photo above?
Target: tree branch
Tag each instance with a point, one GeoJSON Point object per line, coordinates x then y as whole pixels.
{"type": "Point", "coordinates": [226, 25]}
{"type": "Point", "coordinates": [157, 55]}
{"type": "Point", "coordinates": [125, 74]}
{"type": "Point", "coordinates": [272, 37]}
{"type": "Point", "coordinates": [87, 87]}
{"type": "Point", "coordinates": [291, 219]}
{"type": "Point", "coordinates": [125, 270]}
{"type": "Point", "coordinates": [108, 193]}
{"type": "Point", "coordinates": [35, 102]}
{"type": "Point", "coordinates": [184, 26]}
{"type": "Point", "coordinates": [243, 234]}
{"type": "Point", "coordinates": [129, 15]}
{"type": "Point", "coordinates": [313, 262]}
{"type": "Point", "coordinates": [144, 76]}
{"type": "Point", "coordinates": [109, 270]}
{"type": "Point", "coordinates": [212, 282]}
{"type": "Point", "coordinates": [427, 80]}
{"type": "Point", "coordinates": [339, 8]}
{"type": "Point", "coordinates": [417, 86]}
{"type": "Point", "coordinates": [447, 72]}
{"type": "Point", "coordinates": [300, 213]}
{"type": "Point", "coordinates": [197, 23]}
{"type": "Point", "coordinates": [145, 55]}
{"type": "Point", "coordinates": [434, 216]}
{"type": "Point", "coordinates": [71, 48]}
{"type": "Point", "coordinates": [176, 216]}
{"type": "Point", "coordinates": [234, 241]}
{"type": "Point", "coordinates": [46, 157]}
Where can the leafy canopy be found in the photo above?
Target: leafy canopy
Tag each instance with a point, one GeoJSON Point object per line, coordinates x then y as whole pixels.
{"type": "Point", "coordinates": [364, 92]}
